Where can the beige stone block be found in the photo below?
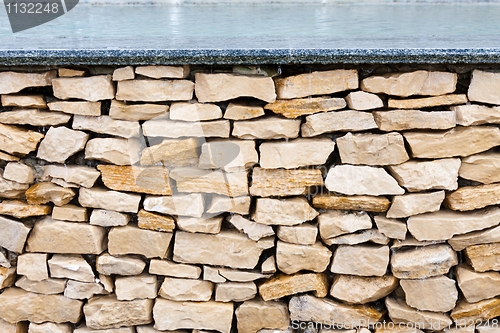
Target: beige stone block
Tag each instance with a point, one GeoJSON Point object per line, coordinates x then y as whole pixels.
{"type": "Point", "coordinates": [269, 266]}
{"type": "Point", "coordinates": [317, 83]}
{"type": "Point", "coordinates": [399, 120]}
{"type": "Point", "coordinates": [114, 150]}
{"type": "Point", "coordinates": [70, 72]}
{"type": "Point", "coordinates": [76, 107]}
{"type": "Point", "coordinates": [107, 312]}
{"type": "Point", "coordinates": [71, 266]}
{"type": "Point", "coordinates": [228, 155]}
{"type": "Point", "coordinates": [33, 266]}
{"type": "Point", "coordinates": [206, 225]}
{"type": "Point", "coordinates": [283, 182]}
{"type": "Point", "coordinates": [45, 192]}
{"type": "Point", "coordinates": [159, 72]}
{"type": "Point", "coordinates": [12, 82]}
{"type": "Point", "coordinates": [484, 86]}
{"type": "Point", "coordinates": [400, 312]}
{"type": "Point", "coordinates": [119, 265]}
{"type": "Point", "coordinates": [481, 167]}
{"type": "Point", "coordinates": [361, 260]}
{"type": "Point", "coordinates": [338, 121]}
{"type": "Point", "coordinates": [305, 106]}
{"type": "Point", "coordinates": [50, 328]}
{"type": "Point", "coordinates": [286, 285]}
{"type": "Point", "coordinates": [236, 111]}
{"type": "Point", "coordinates": [474, 114]}
{"type": "Point", "coordinates": [48, 286]}
{"type": "Point", "coordinates": [172, 153]}
{"type": "Point", "coordinates": [21, 327]}
{"type": "Point", "coordinates": [137, 112]}
{"type": "Point", "coordinates": [177, 289]}
{"type": "Point", "coordinates": [427, 102]}
{"type": "Point", "coordinates": [13, 235]}
{"type": "Point", "coordinates": [85, 329]}
{"type": "Point", "coordinates": [357, 202]}
{"type": "Point", "coordinates": [304, 234]}
{"type": "Point", "coordinates": [7, 277]}
{"type": "Point", "coordinates": [252, 316]}
{"type": "Point", "coordinates": [362, 101]}
{"type": "Point", "coordinates": [460, 141]}
{"type": "Point", "coordinates": [176, 129]}
{"type": "Point", "coordinates": [108, 218]}
{"type": "Point", "coordinates": [132, 240]}
{"type": "Point", "coordinates": [212, 274]}
{"type": "Point", "coordinates": [292, 258]}
{"type": "Point", "coordinates": [477, 286]}
{"type": "Point", "coordinates": [266, 128]}
{"type": "Point", "coordinates": [34, 117]}
{"type": "Point", "coordinates": [93, 89]}
{"type": "Point", "coordinates": [235, 291]}
{"type": "Point", "coordinates": [290, 211]}
{"type": "Point", "coordinates": [16, 140]}
{"type": "Point", "coordinates": [70, 213]}
{"type": "Point", "coordinates": [253, 230]}
{"type": "Point", "coordinates": [180, 204]}
{"type": "Point", "coordinates": [437, 294]}
{"type": "Point", "coordinates": [173, 269]}
{"type": "Point", "coordinates": [189, 180]}
{"type": "Point", "coordinates": [21, 209]}
{"type": "Point", "coordinates": [187, 111]}
{"type": "Point", "coordinates": [124, 73]}
{"type": "Point", "coordinates": [477, 312]}
{"type": "Point", "coordinates": [8, 158]}
{"type": "Point", "coordinates": [370, 235]}
{"type": "Point", "coordinates": [152, 180]}
{"type": "Point", "coordinates": [107, 125]}
{"type": "Point", "coordinates": [423, 262]}
{"type": "Point", "coordinates": [156, 222]}
{"type": "Point", "coordinates": [155, 90]}
{"type": "Point", "coordinates": [335, 223]}
{"type": "Point", "coordinates": [112, 200]}
{"type": "Point", "coordinates": [24, 101]}
{"type": "Point", "coordinates": [82, 290]}
{"type": "Point", "coordinates": [354, 289]}
{"type": "Point", "coordinates": [483, 257]}
{"type": "Point", "coordinates": [391, 228]}
{"type": "Point", "coordinates": [76, 174]}
{"type": "Point", "coordinates": [12, 190]}
{"type": "Point", "coordinates": [240, 276]}
{"type": "Point", "coordinates": [54, 148]}
{"type": "Point", "coordinates": [133, 287]}
{"type": "Point", "coordinates": [220, 204]}
{"type": "Point", "coordinates": [473, 197]}
{"type": "Point", "coordinates": [415, 203]}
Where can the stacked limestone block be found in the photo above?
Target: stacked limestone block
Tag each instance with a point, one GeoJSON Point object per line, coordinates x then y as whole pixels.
{"type": "Point", "coordinates": [168, 198]}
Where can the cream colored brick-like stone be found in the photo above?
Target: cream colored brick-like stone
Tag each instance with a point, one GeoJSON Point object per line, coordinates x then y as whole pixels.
{"type": "Point", "coordinates": [50, 328]}
{"type": "Point", "coordinates": [415, 203]}
{"type": "Point", "coordinates": [361, 100]}
{"type": "Point", "coordinates": [477, 286]}
{"type": "Point", "coordinates": [172, 315]}
{"type": "Point", "coordinates": [473, 197]}
{"type": "Point", "coordinates": [77, 107]}
{"type": "Point", "coordinates": [235, 291]}
{"type": "Point", "coordinates": [70, 72]}
{"type": "Point", "coordinates": [123, 73]}
{"type": "Point", "coordinates": [437, 294]}
{"type": "Point", "coordinates": [13, 235]}
{"type": "Point", "coordinates": [24, 101]}
{"type": "Point", "coordinates": [285, 285]}
{"type": "Point", "coordinates": [317, 83]}
{"type": "Point", "coordinates": [153, 221]}
{"type": "Point", "coordinates": [12, 82]}
{"type": "Point", "coordinates": [132, 287]}
{"type": "Point", "coordinates": [108, 218]}
{"type": "Point", "coordinates": [189, 180]}
{"type": "Point", "coordinates": [114, 150]}
{"type": "Point", "coordinates": [76, 174]}
{"type": "Point", "coordinates": [173, 269]}
{"type": "Point", "coordinates": [176, 129]}
{"type": "Point", "coordinates": [8, 158]}
{"type": "Point", "coordinates": [55, 149]}
{"type": "Point", "coordinates": [33, 266]}
{"type": "Point", "coordinates": [70, 213]}
{"type": "Point", "coordinates": [159, 72]}
{"type": "Point", "coordinates": [480, 167]}
{"type": "Point", "coordinates": [172, 153]}
{"type": "Point", "coordinates": [107, 312]}
{"type": "Point", "coordinates": [253, 316]}
{"type": "Point", "coordinates": [21, 209]}
{"type": "Point", "coordinates": [34, 117]}
{"type": "Point", "coordinates": [427, 175]}
{"type": "Point", "coordinates": [188, 111]}
{"type": "Point", "coordinates": [290, 211]}
{"type": "Point", "coordinates": [53, 236]}
{"type": "Point", "coordinates": [177, 289]}
{"type": "Point", "coordinates": [223, 86]}
{"type": "Point", "coordinates": [484, 86]}
{"type": "Point", "coordinates": [120, 265]}
{"type": "Point", "coordinates": [460, 141]}
{"type": "Point", "coordinates": [477, 312]}
{"type": "Point", "coordinates": [85, 329]}
{"type": "Point", "coordinates": [16, 140]}
{"type": "Point", "coordinates": [112, 200]}
{"type": "Point", "coordinates": [295, 153]}
{"type": "Point", "coordinates": [460, 242]}
{"type": "Point", "coordinates": [483, 257]}
{"type": "Point", "coordinates": [180, 204]}
{"type": "Point", "coordinates": [71, 266]}
{"type": "Point", "coordinates": [309, 308]}
{"type": "Point", "coordinates": [266, 128]}
{"type": "Point", "coordinates": [339, 121]}
{"type": "Point", "coordinates": [399, 120]}
{"type": "Point", "coordinates": [357, 202]}
{"type": "Point", "coordinates": [391, 228]}
{"type": "Point", "coordinates": [48, 286]}
{"type": "Point", "coordinates": [18, 305]}
{"type": "Point", "coordinates": [334, 223]}
{"type": "Point", "coordinates": [269, 265]}
{"type": "Point", "coordinates": [82, 290]}
{"type": "Point", "coordinates": [7, 277]}
{"type": "Point", "coordinates": [206, 225]}
{"type": "Point", "coordinates": [93, 89]}
{"type": "Point", "coordinates": [253, 230]}
{"type": "Point", "coordinates": [45, 192]}
{"type": "Point", "coordinates": [221, 204]}
{"type": "Point", "coordinates": [155, 90]}
{"type": "Point", "coordinates": [236, 111]}
{"type": "Point", "coordinates": [132, 240]}
{"type": "Point", "coordinates": [136, 112]}
{"type": "Point", "coordinates": [361, 180]}
{"type": "Point", "coordinates": [304, 234]}
{"type": "Point", "coordinates": [212, 274]}
{"type": "Point", "coordinates": [292, 258]}
{"type": "Point", "coordinates": [282, 182]}
{"type": "Point", "coordinates": [473, 114]}
{"type": "Point", "coordinates": [361, 260]}
{"type": "Point", "coordinates": [305, 106]}
{"type": "Point", "coordinates": [354, 289]}
{"type": "Point", "coordinates": [423, 262]}
{"type": "Point", "coordinates": [240, 276]}
{"type": "Point", "coordinates": [12, 190]}
{"type": "Point", "coordinates": [107, 125]}
{"type": "Point", "coordinates": [229, 155]}
{"type": "Point", "coordinates": [400, 312]}
{"type": "Point", "coordinates": [227, 248]}
{"type": "Point", "coordinates": [370, 235]}
{"type": "Point", "coordinates": [444, 224]}
{"type": "Point", "coordinates": [152, 180]}
{"type": "Point", "coordinates": [427, 102]}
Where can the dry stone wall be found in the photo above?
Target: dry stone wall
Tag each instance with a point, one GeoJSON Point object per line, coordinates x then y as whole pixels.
{"type": "Point", "coordinates": [250, 199]}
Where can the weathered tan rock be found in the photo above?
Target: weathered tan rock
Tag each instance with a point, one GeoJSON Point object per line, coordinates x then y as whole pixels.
{"type": "Point", "coordinates": [483, 257]}
{"type": "Point", "coordinates": [132, 287]}
{"type": "Point", "coordinates": [391, 228]}
{"type": "Point", "coordinates": [317, 83]}
{"type": "Point", "coordinates": [173, 269]}
{"type": "Point", "coordinates": [120, 265]}
{"type": "Point", "coordinates": [459, 141]}
{"type": "Point", "coordinates": [108, 312]}
{"type": "Point", "coordinates": [107, 282]}
{"type": "Point", "coordinates": [423, 262]}
{"type": "Point", "coordinates": [179, 204]}
{"type": "Point", "coordinates": [416, 203]}
{"type": "Point", "coordinates": [212, 274]}
{"type": "Point", "coordinates": [158, 72]}
{"type": "Point", "coordinates": [460, 242]}
{"type": "Point", "coordinates": [177, 129]}
{"type": "Point", "coordinates": [108, 218]}
{"type": "Point", "coordinates": [437, 294]}
{"type": "Point", "coordinates": [113, 150]}
{"type": "Point", "coordinates": [16, 140]}
{"type": "Point", "coordinates": [427, 175]}
{"type": "Point", "coordinates": [12, 82]}
{"type": "Point", "coordinates": [229, 155]}
{"type": "Point", "coordinates": [152, 180]}
{"type": "Point", "coordinates": [240, 276]}
{"type": "Point", "coordinates": [309, 308]}
{"type": "Point", "coordinates": [172, 153]}
{"type": "Point", "coordinates": [132, 240]}
{"type": "Point", "coordinates": [335, 223]}
{"type": "Point", "coordinates": [290, 211]}
{"type": "Point", "coordinates": [24, 101]}
{"type": "Point", "coordinates": [473, 197]}
{"type": "Point", "coordinates": [85, 329]}
{"type": "Point", "coordinates": [153, 221]}
{"type": "Point", "coordinates": [70, 213]}
{"type": "Point", "coordinates": [45, 192]}
{"type": "Point", "coordinates": [76, 174]}
{"type": "Point", "coordinates": [21, 327]}
{"type": "Point", "coordinates": [33, 266]}
{"type": "Point", "coordinates": [338, 121]}
{"type": "Point", "coordinates": [370, 235]}
{"type": "Point", "coordinates": [124, 73]}
{"type": "Point", "coordinates": [419, 82]}
{"type": "Point", "coordinates": [476, 312]}
{"type": "Point", "coordinates": [427, 102]}
{"type": "Point", "coordinates": [18, 305]}
{"type": "Point", "coordinates": [409, 241]}
{"type": "Point", "coordinates": [188, 111]}
{"type": "Point", "coordinates": [107, 125]}
{"type": "Point", "coordinates": [361, 180]}
{"type": "Point", "coordinates": [12, 190]}
{"type": "Point", "coordinates": [358, 202]}
{"type": "Point", "coordinates": [136, 112]}
{"type": "Point", "coordinates": [93, 88]}
{"type": "Point", "coordinates": [252, 316]}
{"type": "Point", "coordinates": [285, 285]}
{"type": "Point", "coordinates": [53, 149]}
{"type": "Point", "coordinates": [398, 120]}
{"type": "Point", "coordinates": [227, 248]}
{"type": "Point", "coordinates": [76, 107]}
{"type": "Point", "coordinates": [48, 286]}
{"type": "Point", "coordinates": [400, 312]}
{"type": "Point", "coordinates": [113, 200]}
{"type": "Point", "coordinates": [484, 86]}
{"type": "Point", "coordinates": [361, 100]}
{"type": "Point", "coordinates": [8, 158]}
{"type": "Point", "coordinates": [71, 266]}
{"type": "Point", "coordinates": [473, 114]}
{"type": "Point", "coordinates": [206, 225]}
{"type": "Point", "coordinates": [305, 106]}
{"type": "Point", "coordinates": [282, 182]}
{"type": "Point", "coordinates": [304, 234]}
{"type": "Point", "coordinates": [354, 289]}
{"type": "Point", "coordinates": [7, 277]}
{"type": "Point", "coordinates": [155, 90]}
{"type": "Point", "coordinates": [53, 236]}
{"type": "Point", "coordinates": [266, 128]}
{"type": "Point", "coordinates": [269, 265]}
{"type": "Point", "coordinates": [235, 291]}
{"type": "Point", "coordinates": [477, 286]}
{"type": "Point", "coordinates": [171, 315]}
{"type": "Point", "coordinates": [13, 235]}
{"type": "Point", "coordinates": [253, 230]}
{"type": "Point", "coordinates": [19, 172]}
{"type": "Point", "coordinates": [82, 290]}
{"type": "Point", "coordinates": [176, 289]}
{"type": "Point", "coordinates": [243, 112]}
{"type": "Point", "coordinates": [189, 180]}
{"type": "Point", "coordinates": [70, 72]}
{"type": "Point", "coordinates": [361, 260]}
{"type": "Point", "coordinates": [50, 328]}
{"type": "Point", "coordinates": [21, 209]}
{"type": "Point", "coordinates": [292, 258]}
{"type": "Point", "coordinates": [33, 117]}
{"type": "Point", "coordinates": [295, 153]}
{"type": "Point", "coordinates": [481, 167]}
{"type": "Point", "coordinates": [221, 204]}
{"type": "Point", "coordinates": [444, 224]}
{"type": "Point", "coordinates": [222, 87]}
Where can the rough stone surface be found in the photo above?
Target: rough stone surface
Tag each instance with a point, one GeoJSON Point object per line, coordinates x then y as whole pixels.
{"type": "Point", "coordinates": [292, 258]}
{"type": "Point", "coordinates": [361, 260]}
{"type": "Point", "coordinates": [107, 125]}
{"type": "Point", "coordinates": [236, 111]}
{"type": "Point", "coordinates": [13, 235]}
{"type": "Point", "coordinates": [50, 328]}
{"type": "Point", "coordinates": [13, 82]}
{"type": "Point", "coordinates": [34, 117]}
{"type": "Point", "coordinates": [113, 200]}
{"type": "Point", "coordinates": [477, 286]}
{"type": "Point", "coordinates": [291, 211]}
{"type": "Point", "coordinates": [481, 167]}
{"type": "Point", "coordinates": [33, 266]}
{"type": "Point", "coordinates": [354, 289]}
{"type": "Point", "coordinates": [155, 90]}
{"type": "Point", "coordinates": [280, 182]}
{"type": "Point", "coordinates": [172, 153]}
{"type": "Point", "coordinates": [124, 73]}
{"type": "Point", "coordinates": [473, 197]}
{"type": "Point", "coordinates": [159, 72]}
{"type": "Point", "coordinates": [252, 316]}
{"type": "Point", "coordinates": [235, 291]}
{"type": "Point", "coordinates": [75, 174]}
{"type": "Point", "coordinates": [70, 213]}
{"type": "Point", "coordinates": [361, 100]}
{"type": "Point", "coordinates": [266, 128]}
{"type": "Point", "coordinates": [415, 203]}
{"type": "Point", "coordinates": [189, 180]}
{"type": "Point", "coordinates": [399, 120]}
{"type": "Point", "coordinates": [358, 202]}
{"type": "Point", "coordinates": [108, 218]}
{"type": "Point", "coordinates": [133, 287]}
{"type": "Point", "coordinates": [53, 149]}
{"type": "Point", "coordinates": [334, 223]}
{"type": "Point", "coordinates": [120, 265]}
{"type": "Point", "coordinates": [285, 285]}
{"type": "Point", "coordinates": [476, 312]}
{"type": "Point", "coordinates": [71, 267]}
{"type": "Point", "coordinates": [483, 257]}
{"type": "Point", "coordinates": [437, 294]}
{"type": "Point", "coordinates": [253, 230]}
{"type": "Point", "coordinates": [304, 234]}
{"type": "Point", "coordinates": [137, 112]}
{"type": "Point", "coordinates": [338, 121]}
{"type": "Point", "coordinates": [16, 140]}
{"type": "Point", "coordinates": [187, 111]}
{"type": "Point", "coordinates": [82, 290]}
{"type": "Point", "coordinates": [115, 151]}
{"type": "Point", "coordinates": [170, 268]}
{"type": "Point", "coordinates": [473, 114]}
{"type": "Point", "coordinates": [45, 192]}
{"type": "Point", "coordinates": [206, 225]}
{"type": "Point", "coordinates": [132, 240]}
{"type": "Point", "coordinates": [24, 101]}
{"type": "Point", "coordinates": [484, 86]}
{"type": "Point", "coordinates": [400, 312]}
{"type": "Point", "coordinates": [93, 89]}
{"type": "Point", "coordinates": [153, 221]}
{"type": "Point", "coordinates": [7, 277]}
{"type": "Point", "coordinates": [238, 205]}
{"type": "Point", "coordinates": [228, 155]}
{"type": "Point", "coordinates": [305, 106]}
{"type": "Point", "coordinates": [181, 204]}
{"type": "Point", "coordinates": [460, 242]}
{"type": "Point", "coordinates": [21, 209]}
{"type": "Point", "coordinates": [178, 289]}
{"type": "Point", "coordinates": [77, 107]}
{"type": "Point", "coordinates": [176, 129]}
{"type": "Point", "coordinates": [48, 286]}
{"type": "Point", "coordinates": [152, 180]}
{"type": "Point", "coordinates": [427, 102]}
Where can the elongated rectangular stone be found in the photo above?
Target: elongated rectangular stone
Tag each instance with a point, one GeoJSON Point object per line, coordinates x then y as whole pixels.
{"type": "Point", "coordinates": [180, 204]}
{"type": "Point", "coordinates": [416, 203]}
{"type": "Point", "coordinates": [173, 153]}
{"type": "Point", "coordinates": [16, 140]}
{"type": "Point", "coordinates": [112, 200]}
{"type": "Point", "coordinates": [474, 114]}
{"type": "Point", "coordinates": [483, 257]}
{"type": "Point", "coordinates": [355, 202]}
{"type": "Point", "coordinates": [266, 128]}
{"type": "Point", "coordinates": [305, 106]}
{"type": "Point", "coordinates": [77, 107]}
{"type": "Point", "coordinates": [427, 102]}
{"type": "Point", "coordinates": [133, 240]}
{"type": "Point", "coordinates": [337, 121]}
{"type": "Point", "coordinates": [155, 90]}
{"type": "Point", "coordinates": [291, 211]}
{"type": "Point", "coordinates": [93, 88]}
{"type": "Point", "coordinates": [152, 180]}
{"type": "Point", "coordinates": [481, 167]}
{"type": "Point", "coordinates": [158, 72]}
{"type": "Point", "coordinates": [400, 120]}
{"type": "Point", "coordinates": [107, 125]}
{"type": "Point", "coordinates": [473, 197]}
{"type": "Point", "coordinates": [177, 129]}
{"type": "Point", "coordinates": [188, 111]}
{"type": "Point", "coordinates": [282, 182]}
{"type": "Point", "coordinates": [229, 155]}
{"type": "Point", "coordinates": [114, 150]}
{"type": "Point", "coordinates": [136, 112]}
{"type": "Point", "coordinates": [24, 101]}
{"type": "Point", "coordinates": [460, 242]}
{"type": "Point", "coordinates": [21, 209]}
{"type": "Point", "coordinates": [76, 174]}
{"type": "Point", "coordinates": [12, 82]}
{"type": "Point", "coordinates": [189, 180]}
{"type": "Point", "coordinates": [34, 117]}
{"type": "Point", "coordinates": [156, 222]}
